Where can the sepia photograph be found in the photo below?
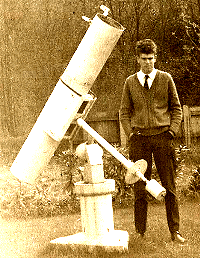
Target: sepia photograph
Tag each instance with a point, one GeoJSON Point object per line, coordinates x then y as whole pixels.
{"type": "Point", "coordinates": [99, 128]}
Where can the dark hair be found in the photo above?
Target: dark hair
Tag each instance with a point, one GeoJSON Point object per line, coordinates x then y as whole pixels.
{"type": "Point", "coordinates": [146, 46]}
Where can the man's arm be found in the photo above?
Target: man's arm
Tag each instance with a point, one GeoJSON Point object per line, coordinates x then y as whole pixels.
{"type": "Point", "coordinates": [174, 108]}
{"type": "Point", "coordinates": [126, 110]}
{"type": "Point", "coordinates": [127, 127]}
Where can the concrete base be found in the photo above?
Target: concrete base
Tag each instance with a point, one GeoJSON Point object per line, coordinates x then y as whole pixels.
{"type": "Point", "coordinates": [117, 240]}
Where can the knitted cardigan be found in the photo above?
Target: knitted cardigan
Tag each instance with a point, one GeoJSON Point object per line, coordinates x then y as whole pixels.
{"type": "Point", "coordinates": [151, 110]}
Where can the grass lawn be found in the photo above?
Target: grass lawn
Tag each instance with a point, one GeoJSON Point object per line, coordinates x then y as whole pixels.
{"type": "Point", "coordinates": [30, 238]}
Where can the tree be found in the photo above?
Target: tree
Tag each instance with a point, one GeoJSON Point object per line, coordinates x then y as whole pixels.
{"type": "Point", "coordinates": [8, 119]}
{"type": "Point", "coordinates": [37, 40]}
{"type": "Point", "coordinates": [165, 21]}
{"type": "Point", "coordinates": [133, 15]}
{"type": "Point", "coordinates": [189, 38]}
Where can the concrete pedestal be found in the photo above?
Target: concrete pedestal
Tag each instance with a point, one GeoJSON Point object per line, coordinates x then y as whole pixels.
{"type": "Point", "coordinates": [96, 207]}
{"type": "Point", "coordinates": [97, 220]}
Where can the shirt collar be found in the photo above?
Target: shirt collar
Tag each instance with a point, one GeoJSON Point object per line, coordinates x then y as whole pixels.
{"type": "Point", "coordinates": [151, 75]}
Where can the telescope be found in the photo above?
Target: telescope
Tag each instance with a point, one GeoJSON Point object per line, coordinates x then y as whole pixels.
{"type": "Point", "coordinates": [67, 97]}
{"type": "Point", "coordinates": [60, 111]}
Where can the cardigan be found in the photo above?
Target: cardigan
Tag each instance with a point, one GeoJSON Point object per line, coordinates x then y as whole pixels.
{"type": "Point", "coordinates": [151, 111]}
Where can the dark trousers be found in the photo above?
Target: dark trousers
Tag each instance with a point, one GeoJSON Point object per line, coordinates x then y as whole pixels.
{"type": "Point", "coordinates": [162, 148]}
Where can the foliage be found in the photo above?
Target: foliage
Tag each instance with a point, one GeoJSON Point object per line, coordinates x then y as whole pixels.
{"type": "Point", "coordinates": [195, 182]}
{"type": "Point", "coordinates": [52, 194]}
{"type": "Point", "coordinates": [187, 35]}
{"type": "Point", "coordinates": [114, 169]}
{"type": "Point", "coordinates": [191, 190]}
{"type": "Point", "coordinates": [188, 171]}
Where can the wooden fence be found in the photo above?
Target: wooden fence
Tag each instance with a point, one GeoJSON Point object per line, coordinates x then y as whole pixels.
{"type": "Point", "coordinates": [108, 128]}
{"type": "Point", "coordinates": [191, 124]}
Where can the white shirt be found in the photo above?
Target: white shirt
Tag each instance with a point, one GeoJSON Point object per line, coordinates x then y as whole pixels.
{"type": "Point", "coordinates": [141, 77]}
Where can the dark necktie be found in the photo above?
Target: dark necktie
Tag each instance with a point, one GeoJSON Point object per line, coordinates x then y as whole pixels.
{"type": "Point", "coordinates": [145, 83]}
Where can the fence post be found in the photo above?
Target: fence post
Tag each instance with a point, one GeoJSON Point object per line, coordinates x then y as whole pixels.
{"type": "Point", "coordinates": [186, 124]}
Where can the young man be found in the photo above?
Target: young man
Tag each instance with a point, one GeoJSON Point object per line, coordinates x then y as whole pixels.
{"type": "Point", "coordinates": [151, 114]}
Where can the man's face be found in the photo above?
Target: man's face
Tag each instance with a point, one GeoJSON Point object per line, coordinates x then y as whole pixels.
{"type": "Point", "coordinates": [146, 62]}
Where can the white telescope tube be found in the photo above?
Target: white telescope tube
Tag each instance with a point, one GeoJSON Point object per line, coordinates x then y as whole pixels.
{"type": "Point", "coordinates": [104, 143]}
{"type": "Point", "coordinates": [92, 53]}
{"type": "Point", "coordinates": [67, 97]}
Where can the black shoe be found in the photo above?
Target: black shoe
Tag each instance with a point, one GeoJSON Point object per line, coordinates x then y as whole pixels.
{"type": "Point", "coordinates": [141, 234]}
{"type": "Point", "coordinates": [176, 237]}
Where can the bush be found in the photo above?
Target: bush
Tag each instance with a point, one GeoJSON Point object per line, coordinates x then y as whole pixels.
{"type": "Point", "coordinates": [188, 171]}
{"type": "Point", "coordinates": [113, 169]}
{"type": "Point", "coordinates": [52, 194]}
{"type": "Point", "coordinates": [194, 185]}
